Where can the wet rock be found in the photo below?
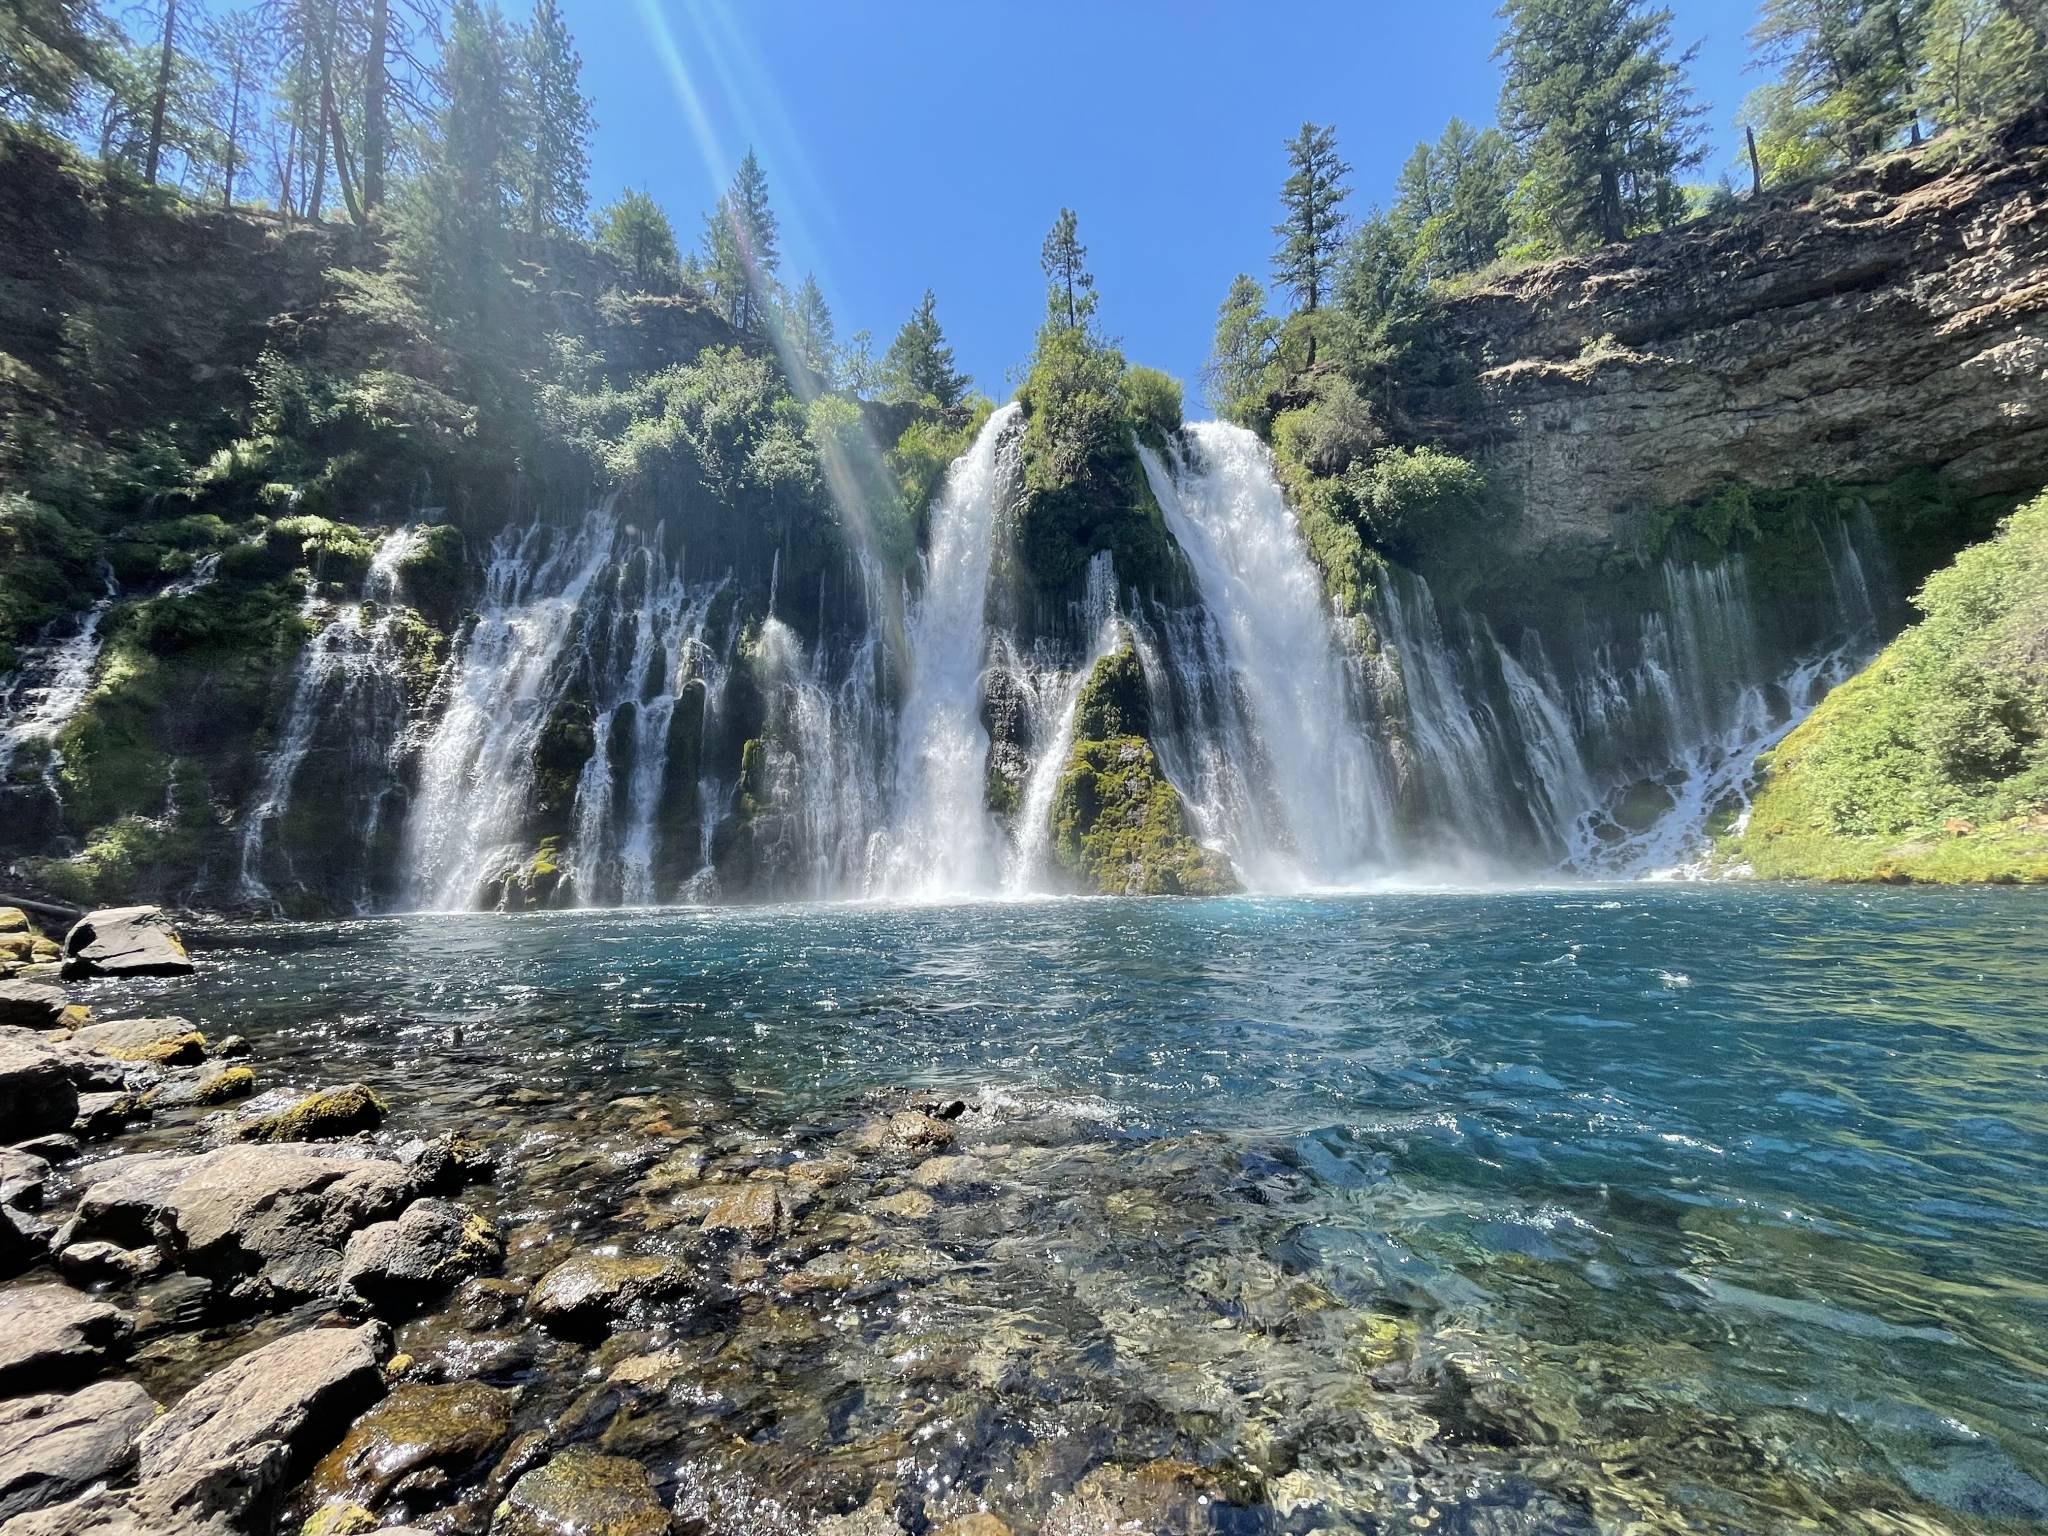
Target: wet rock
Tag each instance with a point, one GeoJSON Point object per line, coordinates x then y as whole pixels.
{"type": "Point", "coordinates": [486, 1304]}
{"type": "Point", "coordinates": [203, 1089]}
{"type": "Point", "coordinates": [101, 1115]}
{"type": "Point", "coordinates": [581, 1493]}
{"type": "Point", "coordinates": [36, 1091]}
{"type": "Point", "coordinates": [414, 1446]}
{"type": "Point", "coordinates": [232, 1047]}
{"type": "Point", "coordinates": [125, 941]}
{"type": "Point", "coordinates": [37, 1005]}
{"type": "Point", "coordinates": [973, 1525]}
{"type": "Point", "coordinates": [584, 1293]}
{"type": "Point", "coordinates": [909, 1205]}
{"type": "Point", "coordinates": [877, 1517]}
{"type": "Point", "coordinates": [858, 1272]}
{"type": "Point", "coordinates": [166, 1042]}
{"type": "Point", "coordinates": [54, 1447]}
{"type": "Point", "coordinates": [755, 1210]}
{"type": "Point", "coordinates": [950, 1175]}
{"type": "Point", "coordinates": [269, 1222]}
{"type": "Point", "coordinates": [449, 1162]}
{"type": "Point", "coordinates": [23, 1176]}
{"type": "Point", "coordinates": [1158, 1496]}
{"type": "Point", "coordinates": [677, 1171]}
{"type": "Point", "coordinates": [233, 1440]}
{"type": "Point", "coordinates": [91, 1263]}
{"type": "Point", "coordinates": [52, 1336]}
{"type": "Point", "coordinates": [431, 1246]}
{"type": "Point", "coordinates": [14, 920]}
{"type": "Point", "coordinates": [322, 1116]}
{"type": "Point", "coordinates": [909, 1130]}
{"type": "Point", "coordinates": [56, 1147]}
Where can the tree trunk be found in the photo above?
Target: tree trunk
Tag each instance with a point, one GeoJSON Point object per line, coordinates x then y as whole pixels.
{"type": "Point", "coordinates": [340, 142]}
{"type": "Point", "coordinates": [227, 192]}
{"type": "Point", "coordinates": [163, 94]}
{"type": "Point", "coordinates": [376, 122]}
{"type": "Point", "coordinates": [1756, 165]}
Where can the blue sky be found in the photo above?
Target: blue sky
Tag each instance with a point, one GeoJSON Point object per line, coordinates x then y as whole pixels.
{"type": "Point", "coordinates": [921, 142]}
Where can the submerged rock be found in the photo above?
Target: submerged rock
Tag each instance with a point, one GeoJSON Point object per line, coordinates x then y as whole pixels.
{"type": "Point", "coordinates": [52, 1336]}
{"type": "Point", "coordinates": [36, 1091]}
{"type": "Point", "coordinates": [581, 1493]}
{"type": "Point", "coordinates": [55, 1446]}
{"type": "Point", "coordinates": [125, 941]}
{"type": "Point", "coordinates": [414, 1446]}
{"type": "Point", "coordinates": [585, 1292]}
{"type": "Point", "coordinates": [909, 1130]}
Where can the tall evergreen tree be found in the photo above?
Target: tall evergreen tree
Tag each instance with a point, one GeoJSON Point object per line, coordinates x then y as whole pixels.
{"type": "Point", "coordinates": [453, 235]}
{"type": "Point", "coordinates": [1596, 97]}
{"type": "Point", "coordinates": [1070, 290]}
{"type": "Point", "coordinates": [1243, 345]}
{"type": "Point", "coordinates": [240, 50]}
{"type": "Point", "coordinates": [741, 250]}
{"type": "Point", "coordinates": [557, 158]}
{"type": "Point", "coordinates": [635, 233]}
{"type": "Point", "coordinates": [1846, 73]}
{"type": "Point", "coordinates": [919, 364]}
{"type": "Point", "coordinates": [810, 329]}
{"type": "Point", "coordinates": [167, 59]}
{"type": "Point", "coordinates": [49, 49]}
{"type": "Point", "coordinates": [1312, 224]}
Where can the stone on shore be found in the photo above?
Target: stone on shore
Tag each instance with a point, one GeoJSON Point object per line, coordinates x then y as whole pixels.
{"type": "Point", "coordinates": [269, 1222]}
{"type": "Point", "coordinates": [55, 1446]}
{"type": "Point", "coordinates": [23, 1242]}
{"type": "Point", "coordinates": [432, 1245]}
{"type": "Point", "coordinates": [36, 1091]}
{"type": "Point", "coordinates": [166, 1042]}
{"type": "Point", "coordinates": [586, 1292]}
{"type": "Point", "coordinates": [22, 1177]}
{"type": "Point", "coordinates": [52, 1336]}
{"type": "Point", "coordinates": [14, 920]}
{"type": "Point", "coordinates": [38, 1005]}
{"type": "Point", "coordinates": [323, 1116]}
{"type": "Point", "coordinates": [125, 941]}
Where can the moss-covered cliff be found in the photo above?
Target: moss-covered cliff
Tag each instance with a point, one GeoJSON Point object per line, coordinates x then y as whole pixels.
{"type": "Point", "coordinates": [1932, 764]}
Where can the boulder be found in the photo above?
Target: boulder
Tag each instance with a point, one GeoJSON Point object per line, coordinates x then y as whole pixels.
{"type": "Point", "coordinates": [414, 1446]}
{"type": "Point", "coordinates": [52, 1336]}
{"type": "Point", "coordinates": [23, 1242]}
{"type": "Point", "coordinates": [332, 1113]}
{"type": "Point", "coordinates": [202, 1089]}
{"type": "Point", "coordinates": [755, 1210]}
{"type": "Point", "coordinates": [22, 1177]}
{"type": "Point", "coordinates": [585, 1293]}
{"type": "Point", "coordinates": [432, 1245]}
{"type": "Point", "coordinates": [125, 941]}
{"type": "Point", "coordinates": [232, 1443]}
{"type": "Point", "coordinates": [582, 1493]}
{"type": "Point", "coordinates": [55, 1446]}
{"type": "Point", "coordinates": [908, 1130]}
{"type": "Point", "coordinates": [90, 1263]}
{"type": "Point", "coordinates": [271, 1223]}
{"type": "Point", "coordinates": [36, 1091]}
{"type": "Point", "coordinates": [108, 1114]}
{"type": "Point", "coordinates": [38, 1005]}
{"type": "Point", "coordinates": [14, 920]}
{"type": "Point", "coordinates": [166, 1042]}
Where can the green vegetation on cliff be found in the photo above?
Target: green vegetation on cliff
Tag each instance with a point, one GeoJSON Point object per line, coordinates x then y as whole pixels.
{"type": "Point", "coordinates": [1118, 824]}
{"type": "Point", "coordinates": [1932, 764]}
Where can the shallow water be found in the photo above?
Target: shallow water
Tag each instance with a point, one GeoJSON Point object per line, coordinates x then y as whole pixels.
{"type": "Point", "coordinates": [1705, 1208]}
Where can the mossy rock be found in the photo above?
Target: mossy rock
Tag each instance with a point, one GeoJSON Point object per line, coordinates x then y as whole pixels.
{"type": "Point", "coordinates": [530, 883]}
{"type": "Point", "coordinates": [1114, 701]}
{"type": "Point", "coordinates": [583, 1492]}
{"type": "Point", "coordinates": [1120, 827]}
{"type": "Point", "coordinates": [319, 1116]}
{"type": "Point", "coordinates": [566, 742]}
{"type": "Point", "coordinates": [414, 1446]}
{"type": "Point", "coordinates": [433, 573]}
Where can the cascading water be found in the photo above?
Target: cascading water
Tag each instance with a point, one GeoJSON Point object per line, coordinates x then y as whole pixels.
{"type": "Point", "coordinates": [348, 692]}
{"type": "Point", "coordinates": [1292, 787]}
{"type": "Point", "coordinates": [942, 840]}
{"type": "Point", "coordinates": [52, 679]}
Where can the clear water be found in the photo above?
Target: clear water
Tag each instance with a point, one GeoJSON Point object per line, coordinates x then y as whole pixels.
{"type": "Point", "coordinates": [1718, 1208]}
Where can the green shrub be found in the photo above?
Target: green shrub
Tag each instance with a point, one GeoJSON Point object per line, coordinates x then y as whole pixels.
{"type": "Point", "coordinates": [1332, 432]}
{"type": "Point", "coordinates": [1420, 501]}
{"type": "Point", "coordinates": [1153, 400]}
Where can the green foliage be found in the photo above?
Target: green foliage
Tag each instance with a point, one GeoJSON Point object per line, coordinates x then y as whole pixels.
{"type": "Point", "coordinates": [46, 560]}
{"type": "Point", "coordinates": [809, 328]}
{"type": "Point", "coordinates": [1596, 99]}
{"type": "Point", "coordinates": [918, 367]}
{"type": "Point", "coordinates": [928, 447]}
{"type": "Point", "coordinates": [1933, 762]}
{"type": "Point", "coordinates": [132, 854]}
{"type": "Point", "coordinates": [1450, 212]}
{"type": "Point", "coordinates": [1330, 433]}
{"type": "Point", "coordinates": [636, 234]}
{"type": "Point", "coordinates": [432, 572]}
{"type": "Point", "coordinates": [741, 250]}
{"type": "Point", "coordinates": [565, 743]}
{"type": "Point", "coordinates": [1245, 343]}
{"type": "Point", "coordinates": [1845, 72]}
{"type": "Point", "coordinates": [1152, 399]}
{"type": "Point", "coordinates": [1070, 289]}
{"type": "Point", "coordinates": [48, 50]}
{"type": "Point", "coordinates": [1114, 701]}
{"type": "Point", "coordinates": [1418, 502]}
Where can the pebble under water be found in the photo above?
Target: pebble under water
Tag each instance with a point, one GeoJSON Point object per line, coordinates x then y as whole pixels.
{"type": "Point", "coordinates": [1584, 1208]}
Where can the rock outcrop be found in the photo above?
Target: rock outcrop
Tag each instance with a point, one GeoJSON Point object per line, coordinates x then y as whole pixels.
{"type": "Point", "coordinates": [1897, 320]}
{"type": "Point", "coordinates": [125, 941]}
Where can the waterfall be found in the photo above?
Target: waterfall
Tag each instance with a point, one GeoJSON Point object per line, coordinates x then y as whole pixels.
{"type": "Point", "coordinates": [477, 765]}
{"type": "Point", "coordinates": [38, 699]}
{"type": "Point", "coordinates": [943, 840]}
{"type": "Point", "coordinates": [1300, 753]}
{"type": "Point", "coordinates": [349, 684]}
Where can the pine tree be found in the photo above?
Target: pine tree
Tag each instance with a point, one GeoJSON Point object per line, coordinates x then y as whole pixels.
{"type": "Point", "coordinates": [453, 233]}
{"type": "Point", "coordinates": [240, 50]}
{"type": "Point", "coordinates": [1311, 229]}
{"type": "Point", "coordinates": [1983, 60]}
{"type": "Point", "coordinates": [1846, 73]}
{"type": "Point", "coordinates": [1597, 100]}
{"type": "Point", "coordinates": [810, 329]}
{"type": "Point", "coordinates": [741, 250]}
{"type": "Point", "coordinates": [1244, 342]}
{"type": "Point", "coordinates": [919, 365]}
{"type": "Point", "coordinates": [557, 159]}
{"type": "Point", "coordinates": [1070, 291]}
{"type": "Point", "coordinates": [49, 50]}
{"type": "Point", "coordinates": [635, 233]}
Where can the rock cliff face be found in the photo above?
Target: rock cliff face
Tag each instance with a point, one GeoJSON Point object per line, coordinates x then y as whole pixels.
{"type": "Point", "coordinates": [1896, 321]}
